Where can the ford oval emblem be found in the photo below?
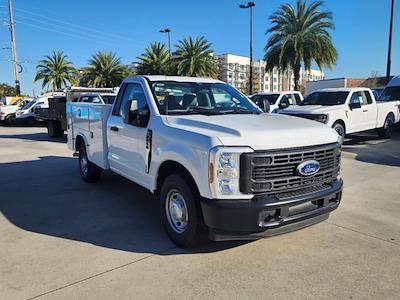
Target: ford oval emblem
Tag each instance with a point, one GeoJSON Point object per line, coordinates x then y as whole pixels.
{"type": "Point", "coordinates": [308, 168]}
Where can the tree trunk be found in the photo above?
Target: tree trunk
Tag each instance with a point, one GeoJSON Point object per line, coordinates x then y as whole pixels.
{"type": "Point", "coordinates": [296, 71]}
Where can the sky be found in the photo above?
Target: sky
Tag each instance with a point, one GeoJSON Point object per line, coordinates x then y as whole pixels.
{"type": "Point", "coordinates": [82, 27]}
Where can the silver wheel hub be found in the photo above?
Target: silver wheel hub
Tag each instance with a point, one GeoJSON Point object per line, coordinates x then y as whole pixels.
{"type": "Point", "coordinates": [176, 210]}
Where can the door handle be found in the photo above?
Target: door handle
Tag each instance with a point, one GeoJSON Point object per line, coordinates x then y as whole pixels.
{"type": "Point", "coordinates": [79, 112]}
{"type": "Point", "coordinates": [114, 128]}
{"type": "Point", "coordinates": [365, 110]}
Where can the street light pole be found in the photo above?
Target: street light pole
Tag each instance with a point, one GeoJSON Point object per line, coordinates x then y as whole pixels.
{"type": "Point", "coordinates": [389, 60]}
{"type": "Point", "coordinates": [250, 5]}
{"type": "Point", "coordinates": [167, 30]}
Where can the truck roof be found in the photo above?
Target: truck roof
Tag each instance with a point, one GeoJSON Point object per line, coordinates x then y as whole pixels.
{"type": "Point", "coordinates": [355, 89]}
{"type": "Point", "coordinates": [175, 78]}
{"type": "Point", "coordinates": [277, 92]}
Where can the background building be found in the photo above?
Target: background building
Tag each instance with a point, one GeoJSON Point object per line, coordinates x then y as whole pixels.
{"type": "Point", "coordinates": [235, 70]}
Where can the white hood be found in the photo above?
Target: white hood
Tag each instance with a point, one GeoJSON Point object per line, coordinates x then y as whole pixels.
{"type": "Point", "coordinates": [261, 132]}
{"type": "Point", "coordinates": [311, 109]}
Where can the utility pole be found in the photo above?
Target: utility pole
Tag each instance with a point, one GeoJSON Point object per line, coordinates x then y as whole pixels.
{"type": "Point", "coordinates": [389, 60]}
{"type": "Point", "coordinates": [14, 49]}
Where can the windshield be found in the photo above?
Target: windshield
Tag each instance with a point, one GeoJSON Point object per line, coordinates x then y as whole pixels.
{"type": "Point", "coordinates": [185, 98]}
{"type": "Point", "coordinates": [108, 99]}
{"type": "Point", "coordinates": [271, 98]}
{"type": "Point", "coordinates": [325, 98]}
{"type": "Point", "coordinates": [390, 94]}
{"type": "Point", "coordinates": [28, 105]}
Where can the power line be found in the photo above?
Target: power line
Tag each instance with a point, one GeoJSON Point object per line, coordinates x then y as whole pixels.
{"type": "Point", "coordinates": [94, 31]}
{"type": "Point", "coordinates": [65, 33]}
{"type": "Point", "coordinates": [64, 29]}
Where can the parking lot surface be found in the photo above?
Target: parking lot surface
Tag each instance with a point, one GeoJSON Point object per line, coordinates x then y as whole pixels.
{"type": "Point", "coordinates": [61, 238]}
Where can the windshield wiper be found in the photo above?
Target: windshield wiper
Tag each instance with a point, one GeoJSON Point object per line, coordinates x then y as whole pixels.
{"type": "Point", "coordinates": [212, 112]}
{"type": "Point", "coordinates": [238, 111]}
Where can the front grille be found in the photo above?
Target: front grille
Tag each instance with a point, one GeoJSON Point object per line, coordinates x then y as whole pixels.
{"type": "Point", "coordinates": [275, 172]}
{"type": "Point", "coordinates": [304, 116]}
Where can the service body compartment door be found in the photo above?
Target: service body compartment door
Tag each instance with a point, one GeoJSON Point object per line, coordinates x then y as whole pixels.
{"type": "Point", "coordinates": [97, 138]}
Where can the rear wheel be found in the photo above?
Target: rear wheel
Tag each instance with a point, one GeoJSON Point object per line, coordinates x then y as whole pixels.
{"type": "Point", "coordinates": [387, 130]}
{"type": "Point", "coordinates": [89, 171]}
{"type": "Point", "coordinates": [54, 129]}
{"type": "Point", "coordinates": [181, 212]}
{"type": "Point", "coordinates": [340, 130]}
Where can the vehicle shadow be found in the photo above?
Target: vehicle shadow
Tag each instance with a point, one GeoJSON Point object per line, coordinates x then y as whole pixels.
{"type": "Point", "coordinates": [47, 196]}
{"type": "Point", "coordinates": [369, 148]}
{"type": "Point", "coordinates": [39, 136]}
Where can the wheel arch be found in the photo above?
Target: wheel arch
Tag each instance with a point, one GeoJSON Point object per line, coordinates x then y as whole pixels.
{"type": "Point", "coordinates": [170, 167]}
{"type": "Point", "coordinates": [79, 140]}
{"type": "Point", "coordinates": [341, 122]}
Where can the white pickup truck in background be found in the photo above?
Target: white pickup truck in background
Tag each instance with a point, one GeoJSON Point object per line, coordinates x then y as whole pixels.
{"type": "Point", "coordinates": [219, 165]}
{"type": "Point", "coordinates": [272, 101]}
{"type": "Point", "coordinates": [349, 110]}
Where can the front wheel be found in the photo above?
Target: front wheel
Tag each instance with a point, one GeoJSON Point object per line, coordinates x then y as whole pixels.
{"type": "Point", "coordinates": [181, 212]}
{"type": "Point", "coordinates": [88, 170]}
{"type": "Point", "coordinates": [386, 131]}
{"type": "Point", "coordinates": [340, 130]}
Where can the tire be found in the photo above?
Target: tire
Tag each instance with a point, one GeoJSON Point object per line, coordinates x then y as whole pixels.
{"type": "Point", "coordinates": [89, 171]}
{"type": "Point", "coordinates": [54, 129]}
{"type": "Point", "coordinates": [340, 130]}
{"type": "Point", "coordinates": [181, 212]}
{"type": "Point", "coordinates": [386, 131]}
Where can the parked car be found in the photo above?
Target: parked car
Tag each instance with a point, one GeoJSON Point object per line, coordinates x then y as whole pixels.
{"type": "Point", "coordinates": [217, 164]}
{"type": "Point", "coordinates": [55, 115]}
{"type": "Point", "coordinates": [26, 115]}
{"type": "Point", "coordinates": [271, 102]}
{"type": "Point", "coordinates": [7, 112]}
{"type": "Point", "coordinates": [349, 110]}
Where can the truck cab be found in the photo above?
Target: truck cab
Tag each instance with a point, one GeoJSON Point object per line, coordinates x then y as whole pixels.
{"type": "Point", "coordinates": [220, 167]}
{"type": "Point", "coordinates": [27, 114]}
{"type": "Point", "coordinates": [272, 101]}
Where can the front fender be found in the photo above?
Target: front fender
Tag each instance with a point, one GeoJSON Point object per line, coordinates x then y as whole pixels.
{"type": "Point", "coordinates": [193, 159]}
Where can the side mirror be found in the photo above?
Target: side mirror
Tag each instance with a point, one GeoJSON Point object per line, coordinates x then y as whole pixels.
{"type": "Point", "coordinates": [134, 116]}
{"type": "Point", "coordinates": [355, 105]}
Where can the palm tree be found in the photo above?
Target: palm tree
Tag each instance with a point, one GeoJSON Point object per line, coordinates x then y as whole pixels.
{"type": "Point", "coordinates": [300, 36]}
{"type": "Point", "coordinates": [56, 71]}
{"type": "Point", "coordinates": [194, 58]}
{"type": "Point", "coordinates": [104, 70]}
{"type": "Point", "coordinates": [156, 60]}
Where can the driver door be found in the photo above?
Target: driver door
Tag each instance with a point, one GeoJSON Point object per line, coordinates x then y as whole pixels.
{"type": "Point", "coordinates": [355, 116]}
{"type": "Point", "coordinates": [127, 143]}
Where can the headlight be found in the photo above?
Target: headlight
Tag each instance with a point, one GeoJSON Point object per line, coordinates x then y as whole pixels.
{"type": "Point", "coordinates": [224, 171]}
{"type": "Point", "coordinates": [321, 118]}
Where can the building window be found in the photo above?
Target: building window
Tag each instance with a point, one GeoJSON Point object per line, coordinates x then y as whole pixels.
{"type": "Point", "coordinates": [275, 79]}
{"type": "Point", "coordinates": [266, 78]}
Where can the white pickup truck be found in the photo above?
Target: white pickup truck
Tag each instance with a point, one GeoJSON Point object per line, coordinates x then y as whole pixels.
{"type": "Point", "coordinates": [349, 110]}
{"type": "Point", "coordinates": [219, 165]}
{"type": "Point", "coordinates": [273, 101]}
